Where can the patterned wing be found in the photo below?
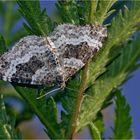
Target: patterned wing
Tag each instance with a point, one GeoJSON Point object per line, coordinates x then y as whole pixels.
{"type": "Point", "coordinates": [54, 59]}
{"type": "Point", "coordinates": [31, 61]}
{"type": "Point", "coordinates": [76, 45]}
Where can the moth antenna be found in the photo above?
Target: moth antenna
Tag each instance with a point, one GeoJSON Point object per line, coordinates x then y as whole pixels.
{"type": "Point", "coordinates": [53, 92]}
{"type": "Point", "coordinates": [49, 93]}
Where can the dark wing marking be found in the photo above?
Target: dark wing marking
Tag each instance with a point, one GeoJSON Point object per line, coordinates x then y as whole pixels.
{"type": "Point", "coordinates": [76, 45]}
{"type": "Point", "coordinates": [54, 59]}
{"type": "Point", "coordinates": [31, 61]}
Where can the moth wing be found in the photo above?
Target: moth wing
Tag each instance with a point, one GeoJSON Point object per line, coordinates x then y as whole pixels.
{"type": "Point", "coordinates": [76, 45]}
{"type": "Point", "coordinates": [30, 61]}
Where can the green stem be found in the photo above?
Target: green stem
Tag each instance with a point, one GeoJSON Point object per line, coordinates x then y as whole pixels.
{"type": "Point", "coordinates": [83, 85]}
{"type": "Point", "coordinates": [91, 17]}
{"type": "Point", "coordinates": [79, 101]}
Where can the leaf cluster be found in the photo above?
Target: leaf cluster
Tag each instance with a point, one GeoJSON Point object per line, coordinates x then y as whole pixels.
{"type": "Point", "coordinates": [38, 21]}
{"type": "Point", "coordinates": [83, 11]}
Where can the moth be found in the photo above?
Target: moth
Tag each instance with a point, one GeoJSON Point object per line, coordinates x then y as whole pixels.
{"type": "Point", "coordinates": [53, 59]}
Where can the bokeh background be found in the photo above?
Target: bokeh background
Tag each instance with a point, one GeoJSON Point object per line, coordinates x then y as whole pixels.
{"type": "Point", "coordinates": [32, 129]}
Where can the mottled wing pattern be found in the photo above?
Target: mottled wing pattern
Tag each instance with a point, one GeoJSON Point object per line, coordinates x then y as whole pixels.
{"type": "Point", "coordinates": [51, 60]}
{"type": "Point", "coordinates": [31, 61]}
{"type": "Point", "coordinates": [76, 45]}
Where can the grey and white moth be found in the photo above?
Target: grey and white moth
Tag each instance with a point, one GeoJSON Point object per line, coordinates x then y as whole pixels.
{"type": "Point", "coordinates": [51, 60]}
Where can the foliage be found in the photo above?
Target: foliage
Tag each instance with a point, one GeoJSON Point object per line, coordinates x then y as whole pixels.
{"type": "Point", "coordinates": [92, 88]}
{"type": "Point", "coordinates": [122, 118]}
{"type": "Point", "coordinates": [97, 127]}
{"type": "Point", "coordinates": [7, 124]}
{"type": "Point", "coordinates": [42, 108]}
{"type": "Point", "coordinates": [121, 29]}
{"type": "Point", "coordinates": [84, 12]}
{"type": "Point", "coordinates": [69, 8]}
{"type": "Point", "coordinates": [116, 73]}
{"type": "Point", "coordinates": [10, 18]}
{"type": "Point", "coordinates": [39, 22]}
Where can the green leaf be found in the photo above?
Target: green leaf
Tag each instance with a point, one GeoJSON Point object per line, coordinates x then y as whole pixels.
{"type": "Point", "coordinates": [87, 10]}
{"type": "Point", "coordinates": [97, 127]}
{"type": "Point", "coordinates": [117, 72]}
{"type": "Point", "coordinates": [95, 132]}
{"type": "Point", "coordinates": [122, 26]}
{"type": "Point", "coordinates": [123, 120]}
{"type": "Point", "coordinates": [103, 11]}
{"type": "Point", "coordinates": [69, 100]}
{"type": "Point", "coordinates": [2, 45]}
{"type": "Point", "coordinates": [38, 21]}
{"type": "Point", "coordinates": [96, 95]}
{"type": "Point", "coordinates": [45, 110]}
{"type": "Point", "coordinates": [10, 18]}
{"type": "Point", "coordinates": [7, 125]}
{"type": "Point", "coordinates": [109, 100]}
{"type": "Point", "coordinates": [68, 11]}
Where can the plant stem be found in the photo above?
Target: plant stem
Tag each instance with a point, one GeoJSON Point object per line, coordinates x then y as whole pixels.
{"type": "Point", "coordinates": [79, 101]}
{"type": "Point", "coordinates": [83, 84]}
{"type": "Point", "coordinates": [91, 16]}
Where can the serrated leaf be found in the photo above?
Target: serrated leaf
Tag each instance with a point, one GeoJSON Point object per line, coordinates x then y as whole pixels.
{"type": "Point", "coordinates": [38, 21]}
{"type": "Point", "coordinates": [122, 26]}
{"type": "Point", "coordinates": [123, 120]}
{"type": "Point", "coordinates": [45, 110]}
{"type": "Point", "coordinates": [7, 124]}
{"type": "Point", "coordinates": [116, 73]}
{"type": "Point", "coordinates": [103, 10]}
